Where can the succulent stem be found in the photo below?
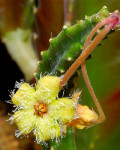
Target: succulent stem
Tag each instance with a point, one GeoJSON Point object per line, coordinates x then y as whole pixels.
{"type": "Point", "coordinates": [83, 56]}
{"type": "Point", "coordinates": [110, 23]}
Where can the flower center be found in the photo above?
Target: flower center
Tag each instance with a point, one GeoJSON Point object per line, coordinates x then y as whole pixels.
{"type": "Point", "coordinates": [40, 109]}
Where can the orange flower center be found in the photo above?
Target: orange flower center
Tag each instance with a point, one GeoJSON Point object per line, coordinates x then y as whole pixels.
{"type": "Point", "coordinates": [40, 109]}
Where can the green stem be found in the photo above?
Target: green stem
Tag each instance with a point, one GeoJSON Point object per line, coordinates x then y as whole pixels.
{"type": "Point", "coordinates": [84, 55]}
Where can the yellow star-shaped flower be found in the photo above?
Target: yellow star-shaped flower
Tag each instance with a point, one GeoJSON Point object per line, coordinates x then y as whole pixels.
{"type": "Point", "coordinates": [40, 111]}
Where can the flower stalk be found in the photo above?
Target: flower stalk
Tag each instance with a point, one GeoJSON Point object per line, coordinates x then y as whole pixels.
{"type": "Point", "coordinates": [110, 23]}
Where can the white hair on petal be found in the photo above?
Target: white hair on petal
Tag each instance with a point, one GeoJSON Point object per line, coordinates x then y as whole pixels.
{"type": "Point", "coordinates": [9, 101]}
{"type": "Point", "coordinates": [11, 93]}
{"type": "Point", "coordinates": [18, 84]}
{"type": "Point", "coordinates": [41, 75]}
{"type": "Point", "coordinates": [16, 108]}
{"type": "Point", "coordinates": [44, 143]}
{"type": "Point", "coordinates": [18, 133]}
{"type": "Point", "coordinates": [11, 119]}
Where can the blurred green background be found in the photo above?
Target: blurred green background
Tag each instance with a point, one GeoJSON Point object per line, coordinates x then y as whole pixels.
{"type": "Point", "coordinates": [104, 73]}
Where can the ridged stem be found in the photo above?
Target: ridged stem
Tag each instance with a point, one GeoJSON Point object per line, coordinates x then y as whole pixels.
{"type": "Point", "coordinates": [83, 56]}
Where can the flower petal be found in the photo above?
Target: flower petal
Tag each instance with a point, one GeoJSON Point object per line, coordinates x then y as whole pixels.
{"type": "Point", "coordinates": [62, 109]}
{"type": "Point", "coordinates": [46, 129]}
{"type": "Point", "coordinates": [25, 120]}
{"type": "Point", "coordinates": [47, 88]}
{"type": "Point", "coordinates": [24, 97]}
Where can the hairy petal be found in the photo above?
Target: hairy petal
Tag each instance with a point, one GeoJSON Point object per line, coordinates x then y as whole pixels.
{"type": "Point", "coordinates": [24, 97]}
{"type": "Point", "coordinates": [25, 120]}
{"type": "Point", "coordinates": [46, 128]}
{"type": "Point", "coordinates": [47, 88]}
{"type": "Point", "coordinates": [62, 109]}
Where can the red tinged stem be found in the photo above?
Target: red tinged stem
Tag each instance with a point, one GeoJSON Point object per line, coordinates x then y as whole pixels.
{"type": "Point", "coordinates": [110, 23]}
{"type": "Point", "coordinates": [84, 71]}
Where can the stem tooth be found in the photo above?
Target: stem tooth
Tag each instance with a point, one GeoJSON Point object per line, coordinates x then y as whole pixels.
{"type": "Point", "coordinates": [104, 7]}
{"type": "Point", "coordinates": [81, 21]}
{"type": "Point", "coordinates": [66, 30]}
{"type": "Point", "coordinates": [86, 17]}
{"type": "Point", "coordinates": [69, 58]}
{"type": "Point", "coordinates": [65, 27]}
{"type": "Point", "coordinates": [42, 53]}
{"type": "Point", "coordinates": [50, 40]}
{"type": "Point", "coordinates": [62, 71]}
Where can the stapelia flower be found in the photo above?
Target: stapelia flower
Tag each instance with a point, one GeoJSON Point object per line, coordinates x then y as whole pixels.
{"type": "Point", "coordinates": [40, 111]}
